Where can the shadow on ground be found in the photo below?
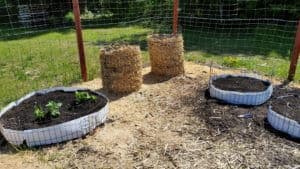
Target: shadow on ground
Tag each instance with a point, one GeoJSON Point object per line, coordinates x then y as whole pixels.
{"type": "Point", "coordinates": [27, 34]}
{"type": "Point", "coordinates": [151, 78]}
{"type": "Point", "coordinates": [280, 134]}
{"type": "Point", "coordinates": [7, 148]}
{"type": "Point", "coordinates": [112, 96]}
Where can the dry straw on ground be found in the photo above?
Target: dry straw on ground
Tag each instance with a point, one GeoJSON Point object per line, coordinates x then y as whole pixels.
{"type": "Point", "coordinates": [168, 124]}
{"type": "Point", "coordinates": [166, 54]}
{"type": "Point", "coordinates": [121, 68]}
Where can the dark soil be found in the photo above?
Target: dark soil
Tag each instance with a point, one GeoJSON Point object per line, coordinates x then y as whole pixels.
{"type": "Point", "coordinates": [288, 105]}
{"type": "Point", "coordinates": [22, 117]}
{"type": "Point", "coordinates": [241, 84]}
{"type": "Point", "coordinates": [223, 120]}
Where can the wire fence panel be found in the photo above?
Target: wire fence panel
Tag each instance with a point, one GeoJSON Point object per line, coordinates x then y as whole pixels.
{"type": "Point", "coordinates": [38, 43]}
{"type": "Point", "coordinates": [229, 31]}
{"type": "Point", "coordinates": [38, 47]}
{"type": "Point", "coordinates": [133, 20]}
{"type": "Point", "coordinates": [240, 26]}
{"type": "Point", "coordinates": [20, 17]}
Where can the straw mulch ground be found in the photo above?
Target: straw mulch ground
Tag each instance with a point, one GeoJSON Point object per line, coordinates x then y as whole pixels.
{"type": "Point", "coordinates": [121, 68]}
{"type": "Point", "coordinates": [169, 123]}
{"type": "Point", "coordinates": [166, 54]}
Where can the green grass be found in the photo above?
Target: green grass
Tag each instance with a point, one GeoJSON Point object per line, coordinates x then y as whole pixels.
{"type": "Point", "coordinates": [269, 66]}
{"type": "Point", "coordinates": [50, 58]}
{"type": "Point", "coordinates": [264, 49]}
{"type": "Point", "coordinates": [261, 40]}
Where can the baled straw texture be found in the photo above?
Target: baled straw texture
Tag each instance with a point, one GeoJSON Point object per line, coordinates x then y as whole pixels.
{"type": "Point", "coordinates": [166, 54]}
{"type": "Point", "coordinates": [121, 68]}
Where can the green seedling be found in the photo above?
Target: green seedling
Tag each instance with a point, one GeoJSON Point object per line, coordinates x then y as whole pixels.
{"type": "Point", "coordinates": [84, 96]}
{"type": "Point", "coordinates": [39, 113]}
{"type": "Point", "coordinates": [53, 108]}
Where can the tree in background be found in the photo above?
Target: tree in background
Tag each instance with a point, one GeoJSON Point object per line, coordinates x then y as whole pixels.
{"type": "Point", "coordinates": [59, 12]}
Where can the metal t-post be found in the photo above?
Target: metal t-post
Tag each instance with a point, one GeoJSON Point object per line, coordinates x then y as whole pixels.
{"type": "Point", "coordinates": [76, 11]}
{"type": "Point", "coordinates": [295, 55]}
{"type": "Point", "coordinates": [175, 16]}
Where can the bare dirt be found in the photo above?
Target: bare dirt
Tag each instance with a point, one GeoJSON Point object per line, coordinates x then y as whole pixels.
{"type": "Point", "coordinates": [288, 103]}
{"type": "Point", "coordinates": [169, 123]}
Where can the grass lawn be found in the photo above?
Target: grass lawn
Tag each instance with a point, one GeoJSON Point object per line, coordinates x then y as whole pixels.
{"type": "Point", "coordinates": [50, 58]}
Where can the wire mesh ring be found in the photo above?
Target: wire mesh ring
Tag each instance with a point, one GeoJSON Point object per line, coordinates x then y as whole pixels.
{"type": "Point", "coordinates": [240, 98]}
{"type": "Point", "coordinates": [57, 133]}
{"type": "Point", "coordinates": [283, 124]}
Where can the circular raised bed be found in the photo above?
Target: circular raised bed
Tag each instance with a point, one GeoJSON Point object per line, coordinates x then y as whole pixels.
{"type": "Point", "coordinates": [18, 124]}
{"type": "Point", "coordinates": [240, 89]}
{"type": "Point", "coordinates": [284, 115]}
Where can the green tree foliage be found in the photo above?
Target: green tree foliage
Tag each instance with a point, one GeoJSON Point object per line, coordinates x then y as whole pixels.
{"type": "Point", "coordinates": [127, 10]}
{"type": "Point", "coordinates": [244, 9]}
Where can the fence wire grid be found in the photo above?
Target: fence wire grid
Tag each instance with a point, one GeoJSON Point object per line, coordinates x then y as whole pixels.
{"type": "Point", "coordinates": [38, 43]}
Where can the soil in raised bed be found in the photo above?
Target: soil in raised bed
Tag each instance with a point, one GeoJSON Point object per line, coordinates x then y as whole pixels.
{"type": "Point", "coordinates": [288, 105]}
{"type": "Point", "coordinates": [21, 117]}
{"type": "Point", "coordinates": [241, 84]}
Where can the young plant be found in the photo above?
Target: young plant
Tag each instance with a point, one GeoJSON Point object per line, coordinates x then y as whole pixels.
{"type": "Point", "coordinates": [39, 113]}
{"type": "Point", "coordinates": [53, 108]}
{"type": "Point", "coordinates": [84, 96]}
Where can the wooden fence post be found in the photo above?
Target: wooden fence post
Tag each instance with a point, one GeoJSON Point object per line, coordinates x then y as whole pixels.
{"type": "Point", "coordinates": [175, 16]}
{"type": "Point", "coordinates": [295, 55]}
{"type": "Point", "coordinates": [76, 11]}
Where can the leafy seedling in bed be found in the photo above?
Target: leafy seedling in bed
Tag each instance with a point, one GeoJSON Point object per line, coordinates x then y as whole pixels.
{"type": "Point", "coordinates": [39, 113]}
{"type": "Point", "coordinates": [83, 97]}
{"type": "Point", "coordinates": [53, 108]}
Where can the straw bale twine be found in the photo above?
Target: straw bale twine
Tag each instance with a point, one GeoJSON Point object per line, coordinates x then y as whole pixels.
{"type": "Point", "coordinates": [166, 54]}
{"type": "Point", "coordinates": [121, 68]}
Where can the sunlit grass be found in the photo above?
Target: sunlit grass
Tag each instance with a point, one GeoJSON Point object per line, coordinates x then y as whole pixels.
{"type": "Point", "coordinates": [50, 58]}
{"type": "Point", "coordinates": [269, 66]}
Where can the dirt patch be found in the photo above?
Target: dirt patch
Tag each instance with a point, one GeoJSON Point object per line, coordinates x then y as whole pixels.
{"type": "Point", "coordinates": [22, 117]}
{"type": "Point", "coordinates": [288, 104]}
{"type": "Point", "coordinates": [241, 84]}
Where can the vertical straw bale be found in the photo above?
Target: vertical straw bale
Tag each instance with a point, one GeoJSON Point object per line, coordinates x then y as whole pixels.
{"type": "Point", "coordinates": [121, 68]}
{"type": "Point", "coordinates": [166, 54]}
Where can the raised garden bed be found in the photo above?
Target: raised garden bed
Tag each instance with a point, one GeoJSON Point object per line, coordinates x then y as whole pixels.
{"type": "Point", "coordinates": [240, 89]}
{"type": "Point", "coordinates": [284, 114]}
{"type": "Point", "coordinates": [52, 116]}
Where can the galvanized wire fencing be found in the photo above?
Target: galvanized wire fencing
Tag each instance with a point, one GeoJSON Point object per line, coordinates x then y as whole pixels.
{"type": "Point", "coordinates": [39, 49]}
{"type": "Point", "coordinates": [38, 42]}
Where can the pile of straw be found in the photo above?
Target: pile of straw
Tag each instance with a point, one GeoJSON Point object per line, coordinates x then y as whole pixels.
{"type": "Point", "coordinates": [166, 54]}
{"type": "Point", "coordinates": [121, 68]}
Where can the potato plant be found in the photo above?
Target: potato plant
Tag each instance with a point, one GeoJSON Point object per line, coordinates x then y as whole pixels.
{"type": "Point", "coordinates": [52, 110]}
{"type": "Point", "coordinates": [81, 97]}
{"type": "Point", "coordinates": [39, 113]}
